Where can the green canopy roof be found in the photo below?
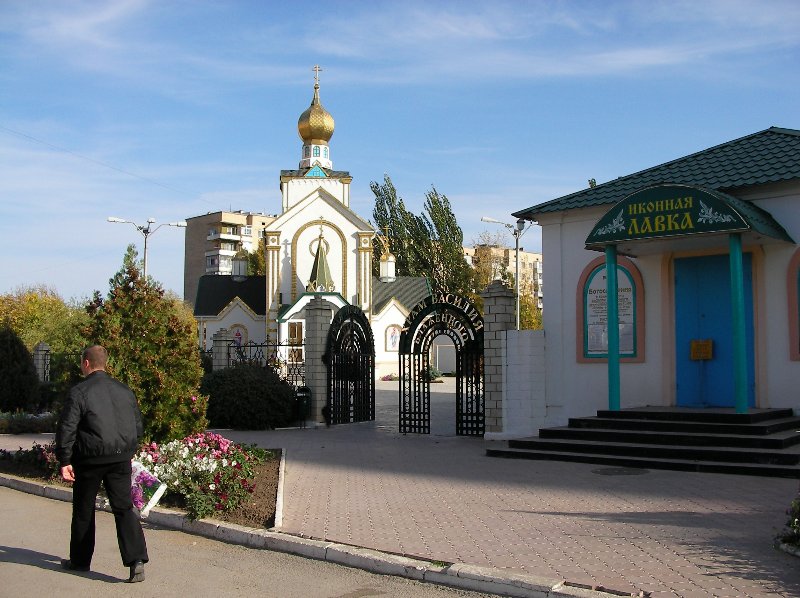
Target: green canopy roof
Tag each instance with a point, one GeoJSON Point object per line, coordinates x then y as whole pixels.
{"type": "Point", "coordinates": [668, 211]}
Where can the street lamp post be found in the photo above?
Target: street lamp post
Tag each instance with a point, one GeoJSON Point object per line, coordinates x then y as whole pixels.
{"type": "Point", "coordinates": [146, 230]}
{"type": "Point", "coordinates": [517, 230]}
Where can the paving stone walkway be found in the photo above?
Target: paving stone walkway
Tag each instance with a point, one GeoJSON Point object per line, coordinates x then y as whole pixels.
{"type": "Point", "coordinates": [439, 497]}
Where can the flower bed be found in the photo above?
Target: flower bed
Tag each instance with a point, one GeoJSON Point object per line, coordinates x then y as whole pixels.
{"type": "Point", "coordinates": [209, 471]}
{"type": "Point", "coordinates": [205, 474]}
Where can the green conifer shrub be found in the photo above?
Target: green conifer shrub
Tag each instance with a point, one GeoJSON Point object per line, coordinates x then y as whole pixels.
{"type": "Point", "coordinates": [19, 384]}
{"type": "Point", "coordinates": [152, 345]}
{"type": "Point", "coordinates": [248, 397]}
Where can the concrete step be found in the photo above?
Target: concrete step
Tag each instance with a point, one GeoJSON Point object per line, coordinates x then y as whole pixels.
{"type": "Point", "coordinates": [750, 469]}
{"type": "Point", "coordinates": [721, 415]}
{"type": "Point", "coordinates": [774, 441]}
{"type": "Point", "coordinates": [761, 428]}
{"type": "Point", "coordinates": [661, 451]}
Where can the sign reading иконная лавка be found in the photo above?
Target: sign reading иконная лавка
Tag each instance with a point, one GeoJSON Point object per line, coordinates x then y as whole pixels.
{"type": "Point", "coordinates": [666, 211]}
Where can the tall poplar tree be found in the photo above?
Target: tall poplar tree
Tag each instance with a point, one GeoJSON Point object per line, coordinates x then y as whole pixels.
{"type": "Point", "coordinates": [429, 245]}
{"type": "Point", "coordinates": [256, 259]}
{"type": "Point", "coordinates": [450, 271]}
{"type": "Point", "coordinates": [397, 223]}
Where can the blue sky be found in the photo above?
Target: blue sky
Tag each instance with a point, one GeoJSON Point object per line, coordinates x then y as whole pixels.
{"type": "Point", "coordinates": [169, 109]}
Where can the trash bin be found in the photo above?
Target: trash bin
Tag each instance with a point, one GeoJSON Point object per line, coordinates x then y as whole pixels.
{"type": "Point", "coordinates": [302, 397]}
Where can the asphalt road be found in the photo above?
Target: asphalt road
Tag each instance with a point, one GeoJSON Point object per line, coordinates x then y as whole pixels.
{"type": "Point", "coordinates": [34, 536]}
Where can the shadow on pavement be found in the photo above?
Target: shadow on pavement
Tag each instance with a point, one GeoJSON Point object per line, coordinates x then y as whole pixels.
{"type": "Point", "coordinates": [41, 560]}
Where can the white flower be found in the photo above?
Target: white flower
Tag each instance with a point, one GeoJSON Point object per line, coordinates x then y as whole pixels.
{"type": "Point", "coordinates": [211, 486]}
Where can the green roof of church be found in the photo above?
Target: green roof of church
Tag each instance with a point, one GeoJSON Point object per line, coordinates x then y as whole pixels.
{"type": "Point", "coordinates": [769, 156]}
{"type": "Point", "coordinates": [214, 292]}
{"type": "Point", "coordinates": [408, 290]}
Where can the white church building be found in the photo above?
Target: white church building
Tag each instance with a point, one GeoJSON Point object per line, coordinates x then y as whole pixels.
{"type": "Point", "coordinates": [316, 245]}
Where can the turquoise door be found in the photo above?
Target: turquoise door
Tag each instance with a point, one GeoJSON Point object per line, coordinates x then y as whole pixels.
{"type": "Point", "coordinates": [703, 311]}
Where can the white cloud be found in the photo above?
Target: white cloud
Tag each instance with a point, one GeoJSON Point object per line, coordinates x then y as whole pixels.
{"type": "Point", "coordinates": [411, 42]}
{"type": "Point", "coordinates": [95, 25]}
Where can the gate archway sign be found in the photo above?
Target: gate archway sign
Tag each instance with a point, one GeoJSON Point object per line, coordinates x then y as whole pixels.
{"type": "Point", "coordinates": [455, 317]}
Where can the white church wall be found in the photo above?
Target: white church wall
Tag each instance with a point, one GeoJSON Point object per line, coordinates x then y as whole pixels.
{"type": "Point", "coordinates": [340, 236]}
{"type": "Point", "coordinates": [386, 328]}
{"type": "Point", "coordinates": [237, 317]}
{"type": "Point", "coordinates": [298, 189]}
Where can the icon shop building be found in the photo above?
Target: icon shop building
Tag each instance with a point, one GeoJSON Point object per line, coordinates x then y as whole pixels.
{"type": "Point", "coordinates": [704, 258]}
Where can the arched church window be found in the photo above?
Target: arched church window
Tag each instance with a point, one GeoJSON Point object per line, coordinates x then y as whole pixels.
{"type": "Point", "coordinates": [306, 151]}
{"type": "Point", "coordinates": [316, 151]}
{"type": "Point", "coordinates": [592, 329]}
{"type": "Point", "coordinates": [793, 287]}
{"type": "Point", "coordinates": [325, 151]}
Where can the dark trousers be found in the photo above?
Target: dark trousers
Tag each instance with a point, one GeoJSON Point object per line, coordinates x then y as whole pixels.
{"type": "Point", "coordinates": [116, 478]}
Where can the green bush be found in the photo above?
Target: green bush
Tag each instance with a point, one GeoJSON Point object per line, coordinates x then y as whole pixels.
{"type": "Point", "coordinates": [206, 362]}
{"type": "Point", "coordinates": [248, 397]}
{"type": "Point", "coordinates": [432, 374]}
{"type": "Point", "coordinates": [19, 384]}
{"type": "Point", "coordinates": [26, 423]}
{"type": "Point", "coordinates": [791, 533]}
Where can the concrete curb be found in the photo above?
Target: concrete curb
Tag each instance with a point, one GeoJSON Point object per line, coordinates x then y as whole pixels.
{"type": "Point", "coordinates": [461, 576]}
{"type": "Point", "coordinates": [789, 549]}
{"type": "Point", "coordinates": [279, 497]}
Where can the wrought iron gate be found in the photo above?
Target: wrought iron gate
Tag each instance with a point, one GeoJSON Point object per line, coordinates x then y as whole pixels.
{"type": "Point", "coordinates": [453, 316]}
{"type": "Point", "coordinates": [350, 357]}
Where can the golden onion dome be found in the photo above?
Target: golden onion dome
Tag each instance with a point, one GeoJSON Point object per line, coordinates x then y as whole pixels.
{"type": "Point", "coordinates": [315, 125]}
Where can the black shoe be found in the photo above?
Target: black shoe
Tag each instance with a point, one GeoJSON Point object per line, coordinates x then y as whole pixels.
{"type": "Point", "coordinates": [137, 572]}
{"type": "Point", "coordinates": [70, 566]}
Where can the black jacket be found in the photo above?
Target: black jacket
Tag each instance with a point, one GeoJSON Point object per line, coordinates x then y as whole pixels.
{"type": "Point", "coordinates": [100, 422]}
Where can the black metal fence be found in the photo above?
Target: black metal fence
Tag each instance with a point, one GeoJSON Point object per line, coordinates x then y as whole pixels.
{"type": "Point", "coordinates": [287, 359]}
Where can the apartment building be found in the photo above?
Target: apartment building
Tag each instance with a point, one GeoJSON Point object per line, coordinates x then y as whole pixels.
{"type": "Point", "coordinates": [504, 259]}
{"type": "Point", "coordinates": [213, 239]}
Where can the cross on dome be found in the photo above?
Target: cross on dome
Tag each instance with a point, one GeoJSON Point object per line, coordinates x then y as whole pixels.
{"type": "Point", "coordinates": [315, 127]}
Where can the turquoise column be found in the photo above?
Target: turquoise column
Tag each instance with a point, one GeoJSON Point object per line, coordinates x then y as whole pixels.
{"type": "Point", "coordinates": [739, 338]}
{"type": "Point", "coordinates": [612, 319]}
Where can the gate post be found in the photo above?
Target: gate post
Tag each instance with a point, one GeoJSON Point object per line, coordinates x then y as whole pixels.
{"type": "Point", "coordinates": [219, 349]}
{"type": "Point", "coordinates": [498, 317]}
{"type": "Point", "coordinates": [318, 321]}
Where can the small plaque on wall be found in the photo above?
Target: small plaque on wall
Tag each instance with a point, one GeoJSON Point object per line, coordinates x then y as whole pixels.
{"type": "Point", "coordinates": [701, 349]}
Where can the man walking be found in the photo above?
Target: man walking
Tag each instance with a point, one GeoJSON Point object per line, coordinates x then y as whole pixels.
{"type": "Point", "coordinates": [98, 433]}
